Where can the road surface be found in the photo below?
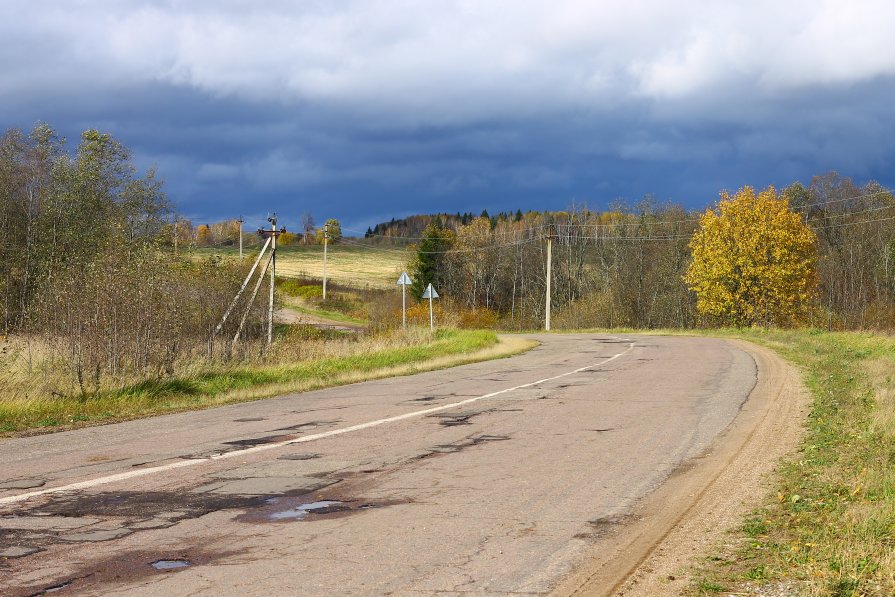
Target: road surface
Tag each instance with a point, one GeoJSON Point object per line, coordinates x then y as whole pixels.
{"type": "Point", "coordinates": [499, 477]}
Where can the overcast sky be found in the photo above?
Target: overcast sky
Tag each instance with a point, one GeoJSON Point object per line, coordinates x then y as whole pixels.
{"type": "Point", "coordinates": [367, 110]}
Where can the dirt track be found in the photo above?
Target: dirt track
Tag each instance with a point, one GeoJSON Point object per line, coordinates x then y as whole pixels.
{"type": "Point", "coordinates": [696, 508]}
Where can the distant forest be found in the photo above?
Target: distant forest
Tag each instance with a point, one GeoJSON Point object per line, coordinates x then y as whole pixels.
{"type": "Point", "coordinates": [414, 226]}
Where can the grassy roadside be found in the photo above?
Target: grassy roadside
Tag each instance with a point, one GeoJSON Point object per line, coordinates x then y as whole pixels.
{"type": "Point", "coordinates": [297, 305]}
{"type": "Point", "coordinates": [216, 387]}
{"type": "Point", "coordinates": [829, 527]}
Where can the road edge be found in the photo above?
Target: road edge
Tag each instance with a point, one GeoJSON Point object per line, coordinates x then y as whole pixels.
{"type": "Point", "coordinates": [697, 506]}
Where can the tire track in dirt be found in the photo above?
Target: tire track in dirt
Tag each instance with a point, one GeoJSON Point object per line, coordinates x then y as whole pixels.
{"type": "Point", "coordinates": [652, 553]}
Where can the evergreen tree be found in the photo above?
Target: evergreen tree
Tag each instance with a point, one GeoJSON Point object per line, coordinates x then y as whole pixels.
{"type": "Point", "coordinates": [429, 265]}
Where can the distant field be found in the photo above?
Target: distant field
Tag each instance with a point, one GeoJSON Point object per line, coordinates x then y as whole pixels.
{"type": "Point", "coordinates": [351, 266]}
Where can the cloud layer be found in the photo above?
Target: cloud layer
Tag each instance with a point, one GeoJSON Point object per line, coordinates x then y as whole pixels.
{"type": "Point", "coordinates": [393, 106]}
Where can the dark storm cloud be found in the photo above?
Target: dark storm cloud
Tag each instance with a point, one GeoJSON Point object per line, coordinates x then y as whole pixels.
{"type": "Point", "coordinates": [368, 110]}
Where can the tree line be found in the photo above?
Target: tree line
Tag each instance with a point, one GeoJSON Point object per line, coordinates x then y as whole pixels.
{"type": "Point", "coordinates": [226, 233]}
{"type": "Point", "coordinates": [628, 266]}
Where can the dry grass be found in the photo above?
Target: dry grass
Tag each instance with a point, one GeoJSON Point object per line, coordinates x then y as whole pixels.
{"type": "Point", "coordinates": [304, 359]}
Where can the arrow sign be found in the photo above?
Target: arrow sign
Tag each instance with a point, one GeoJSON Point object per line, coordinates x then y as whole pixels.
{"type": "Point", "coordinates": [430, 294]}
{"type": "Point", "coordinates": [404, 282]}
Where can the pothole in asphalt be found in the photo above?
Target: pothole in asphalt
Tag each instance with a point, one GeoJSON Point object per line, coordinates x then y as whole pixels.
{"type": "Point", "coordinates": [300, 456]}
{"type": "Point", "coordinates": [489, 438]}
{"type": "Point", "coordinates": [301, 511]}
{"type": "Point", "coordinates": [309, 425]}
{"type": "Point", "coordinates": [249, 419]}
{"type": "Point", "coordinates": [95, 573]}
{"type": "Point", "coordinates": [170, 564]}
{"type": "Point", "coordinates": [257, 441]}
{"type": "Point", "coordinates": [305, 508]}
{"type": "Point", "coordinates": [54, 588]}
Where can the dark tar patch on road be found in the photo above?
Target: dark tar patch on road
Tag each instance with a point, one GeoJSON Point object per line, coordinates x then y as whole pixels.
{"type": "Point", "coordinates": [456, 418]}
{"type": "Point", "coordinates": [474, 440]}
{"type": "Point", "coordinates": [601, 527]}
{"type": "Point", "coordinates": [125, 568]}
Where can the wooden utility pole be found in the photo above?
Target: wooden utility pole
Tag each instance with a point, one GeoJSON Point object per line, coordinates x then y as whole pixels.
{"type": "Point", "coordinates": [325, 242]}
{"type": "Point", "coordinates": [240, 220]}
{"type": "Point", "coordinates": [273, 274]}
{"type": "Point", "coordinates": [550, 237]}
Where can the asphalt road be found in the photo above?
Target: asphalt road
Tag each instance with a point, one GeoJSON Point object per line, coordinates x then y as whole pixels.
{"type": "Point", "coordinates": [497, 477]}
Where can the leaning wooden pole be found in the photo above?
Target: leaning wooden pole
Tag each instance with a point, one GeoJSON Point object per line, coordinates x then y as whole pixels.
{"type": "Point", "coordinates": [248, 309]}
{"type": "Point", "coordinates": [241, 289]}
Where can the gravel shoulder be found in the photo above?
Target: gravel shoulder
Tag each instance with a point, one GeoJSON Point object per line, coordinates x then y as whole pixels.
{"type": "Point", "coordinates": [655, 551]}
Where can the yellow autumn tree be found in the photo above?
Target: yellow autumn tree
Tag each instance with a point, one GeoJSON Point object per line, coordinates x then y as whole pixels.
{"type": "Point", "coordinates": [754, 261]}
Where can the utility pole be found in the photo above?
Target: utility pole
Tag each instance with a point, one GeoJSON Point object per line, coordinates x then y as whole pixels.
{"type": "Point", "coordinates": [273, 274]}
{"type": "Point", "coordinates": [325, 242]}
{"type": "Point", "coordinates": [240, 220]}
{"type": "Point", "coordinates": [271, 235]}
{"type": "Point", "coordinates": [550, 237]}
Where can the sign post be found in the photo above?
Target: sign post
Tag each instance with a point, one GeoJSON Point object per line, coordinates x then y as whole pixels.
{"type": "Point", "coordinates": [404, 282]}
{"type": "Point", "coordinates": [430, 294]}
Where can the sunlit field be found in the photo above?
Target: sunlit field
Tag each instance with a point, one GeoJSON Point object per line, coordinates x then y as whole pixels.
{"type": "Point", "coordinates": [354, 266]}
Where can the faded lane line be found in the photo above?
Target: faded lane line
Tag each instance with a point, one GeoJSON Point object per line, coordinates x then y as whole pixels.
{"type": "Point", "coordinates": [194, 461]}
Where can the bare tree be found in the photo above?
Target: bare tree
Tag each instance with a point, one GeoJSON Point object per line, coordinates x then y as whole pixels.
{"type": "Point", "coordinates": [307, 226]}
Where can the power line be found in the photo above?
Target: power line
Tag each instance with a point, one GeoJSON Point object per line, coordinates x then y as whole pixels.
{"type": "Point", "coordinates": [414, 238]}
{"type": "Point", "coordinates": [881, 191]}
{"type": "Point", "coordinates": [843, 214]}
{"type": "Point", "coordinates": [468, 250]}
{"type": "Point", "coordinates": [841, 224]}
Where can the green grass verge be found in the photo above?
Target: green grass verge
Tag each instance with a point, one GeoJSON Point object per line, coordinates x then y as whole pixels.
{"type": "Point", "coordinates": [829, 528]}
{"type": "Point", "coordinates": [217, 387]}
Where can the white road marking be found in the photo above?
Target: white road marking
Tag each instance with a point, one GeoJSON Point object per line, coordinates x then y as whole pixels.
{"type": "Point", "coordinates": [307, 438]}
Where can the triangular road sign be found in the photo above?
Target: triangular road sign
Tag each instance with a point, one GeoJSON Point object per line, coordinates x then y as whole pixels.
{"type": "Point", "coordinates": [430, 292]}
{"type": "Point", "coordinates": [404, 280]}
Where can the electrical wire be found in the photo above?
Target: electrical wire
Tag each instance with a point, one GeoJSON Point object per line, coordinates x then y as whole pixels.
{"type": "Point", "coordinates": [449, 251]}
{"type": "Point", "coordinates": [881, 191]}
{"type": "Point", "coordinates": [842, 214]}
{"type": "Point", "coordinates": [842, 224]}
